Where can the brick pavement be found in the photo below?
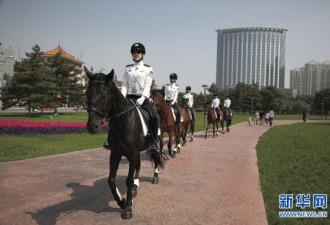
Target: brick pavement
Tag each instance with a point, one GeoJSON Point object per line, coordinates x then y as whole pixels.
{"type": "Point", "coordinates": [212, 181]}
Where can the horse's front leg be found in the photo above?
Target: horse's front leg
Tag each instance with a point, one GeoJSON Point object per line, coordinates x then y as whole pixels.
{"type": "Point", "coordinates": [114, 164]}
{"type": "Point", "coordinates": [169, 145]}
{"type": "Point", "coordinates": [207, 129]}
{"type": "Point", "coordinates": [222, 127]}
{"type": "Point", "coordinates": [127, 213]}
{"type": "Point", "coordinates": [177, 140]}
{"type": "Point", "coordinates": [192, 129]}
{"type": "Point", "coordinates": [136, 177]}
{"type": "Point", "coordinates": [216, 123]}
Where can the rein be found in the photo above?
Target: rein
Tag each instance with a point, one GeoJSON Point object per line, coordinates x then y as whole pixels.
{"type": "Point", "coordinates": [102, 114]}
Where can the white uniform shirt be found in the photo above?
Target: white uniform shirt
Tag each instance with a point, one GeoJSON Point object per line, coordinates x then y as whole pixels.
{"type": "Point", "coordinates": [227, 103]}
{"type": "Point", "coordinates": [171, 92]}
{"type": "Point", "coordinates": [190, 98]}
{"type": "Point", "coordinates": [215, 102]}
{"type": "Point", "coordinates": [137, 79]}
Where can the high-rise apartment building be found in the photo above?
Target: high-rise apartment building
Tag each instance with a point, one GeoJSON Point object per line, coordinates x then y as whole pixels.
{"type": "Point", "coordinates": [313, 77]}
{"type": "Point", "coordinates": [250, 55]}
{"type": "Point", "coordinates": [6, 62]}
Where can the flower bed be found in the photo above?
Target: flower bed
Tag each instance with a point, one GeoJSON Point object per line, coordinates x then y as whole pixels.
{"type": "Point", "coordinates": [26, 127]}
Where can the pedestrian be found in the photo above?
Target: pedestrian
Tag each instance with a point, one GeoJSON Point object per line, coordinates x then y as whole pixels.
{"type": "Point", "coordinates": [256, 117]}
{"type": "Point", "coordinates": [171, 97]}
{"type": "Point", "coordinates": [249, 120]}
{"type": "Point", "coordinates": [271, 117]}
{"type": "Point", "coordinates": [136, 85]}
{"type": "Point", "coordinates": [266, 118]}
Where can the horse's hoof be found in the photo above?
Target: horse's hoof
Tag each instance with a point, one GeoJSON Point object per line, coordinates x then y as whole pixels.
{"type": "Point", "coordinates": [127, 213]}
{"type": "Point", "coordinates": [179, 150]}
{"type": "Point", "coordinates": [191, 139]}
{"type": "Point", "coordinates": [173, 154]}
{"type": "Point", "coordinates": [223, 132]}
{"type": "Point", "coordinates": [134, 191]}
{"type": "Point", "coordinates": [155, 180]}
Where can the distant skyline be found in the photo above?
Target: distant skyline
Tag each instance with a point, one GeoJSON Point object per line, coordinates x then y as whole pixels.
{"type": "Point", "coordinates": [180, 36]}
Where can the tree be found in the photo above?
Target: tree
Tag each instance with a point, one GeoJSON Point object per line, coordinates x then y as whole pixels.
{"type": "Point", "coordinates": [273, 99]}
{"type": "Point", "coordinates": [32, 82]}
{"type": "Point", "coordinates": [66, 89]}
{"type": "Point", "coordinates": [241, 97]}
{"type": "Point", "coordinates": [322, 101]}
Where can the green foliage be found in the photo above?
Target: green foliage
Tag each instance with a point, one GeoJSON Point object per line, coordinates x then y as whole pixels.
{"type": "Point", "coordinates": [66, 89]}
{"type": "Point", "coordinates": [322, 101]}
{"type": "Point", "coordinates": [39, 84]}
{"type": "Point", "coordinates": [32, 82]}
{"type": "Point", "coordinates": [294, 159]}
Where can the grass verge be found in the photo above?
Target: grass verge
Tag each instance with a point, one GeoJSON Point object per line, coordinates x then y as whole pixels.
{"type": "Point", "coordinates": [294, 159]}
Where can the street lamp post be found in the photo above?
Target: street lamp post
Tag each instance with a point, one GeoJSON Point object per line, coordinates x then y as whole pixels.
{"type": "Point", "coordinates": [252, 103]}
{"type": "Point", "coordinates": [205, 87]}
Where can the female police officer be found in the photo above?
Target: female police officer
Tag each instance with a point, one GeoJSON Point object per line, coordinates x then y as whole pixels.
{"type": "Point", "coordinates": [136, 85]}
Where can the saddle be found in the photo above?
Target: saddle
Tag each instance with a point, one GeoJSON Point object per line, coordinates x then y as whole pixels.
{"type": "Point", "coordinates": [145, 117]}
{"type": "Point", "coordinates": [174, 111]}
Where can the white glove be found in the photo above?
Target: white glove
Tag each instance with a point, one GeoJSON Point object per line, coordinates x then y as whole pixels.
{"type": "Point", "coordinates": [172, 102]}
{"type": "Point", "coordinates": [140, 100]}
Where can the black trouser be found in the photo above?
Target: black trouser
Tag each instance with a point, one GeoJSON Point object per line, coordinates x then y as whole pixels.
{"type": "Point", "coordinates": [192, 113]}
{"type": "Point", "coordinates": [229, 112]}
{"type": "Point", "coordinates": [218, 112]}
{"type": "Point", "coordinates": [154, 115]}
{"type": "Point", "coordinates": [177, 112]}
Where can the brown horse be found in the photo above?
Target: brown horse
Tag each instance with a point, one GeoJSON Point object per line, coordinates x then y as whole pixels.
{"type": "Point", "coordinates": [211, 119]}
{"type": "Point", "coordinates": [167, 122]}
{"type": "Point", "coordinates": [187, 121]}
{"type": "Point", "coordinates": [228, 118]}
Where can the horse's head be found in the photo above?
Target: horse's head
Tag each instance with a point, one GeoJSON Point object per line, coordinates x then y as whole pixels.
{"type": "Point", "coordinates": [158, 96]}
{"type": "Point", "coordinates": [185, 103]}
{"type": "Point", "coordinates": [207, 106]}
{"type": "Point", "coordinates": [98, 99]}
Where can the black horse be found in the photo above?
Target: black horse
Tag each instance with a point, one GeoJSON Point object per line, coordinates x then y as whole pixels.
{"type": "Point", "coordinates": [125, 137]}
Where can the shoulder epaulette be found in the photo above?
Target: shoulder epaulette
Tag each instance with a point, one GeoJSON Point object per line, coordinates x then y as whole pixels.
{"type": "Point", "coordinates": [129, 65]}
{"type": "Point", "coordinates": [146, 65]}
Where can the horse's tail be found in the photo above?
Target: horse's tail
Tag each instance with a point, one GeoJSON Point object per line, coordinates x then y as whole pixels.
{"type": "Point", "coordinates": [158, 158]}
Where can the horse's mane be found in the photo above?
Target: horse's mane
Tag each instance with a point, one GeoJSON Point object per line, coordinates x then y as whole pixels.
{"type": "Point", "coordinates": [161, 91]}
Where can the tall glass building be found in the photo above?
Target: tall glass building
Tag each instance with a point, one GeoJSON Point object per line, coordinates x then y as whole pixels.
{"type": "Point", "coordinates": [250, 55]}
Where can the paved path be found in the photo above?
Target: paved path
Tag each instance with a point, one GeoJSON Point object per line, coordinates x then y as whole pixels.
{"type": "Point", "coordinates": [213, 181]}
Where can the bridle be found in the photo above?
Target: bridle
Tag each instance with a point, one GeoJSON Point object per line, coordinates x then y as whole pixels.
{"type": "Point", "coordinates": [105, 114]}
{"type": "Point", "coordinates": [93, 109]}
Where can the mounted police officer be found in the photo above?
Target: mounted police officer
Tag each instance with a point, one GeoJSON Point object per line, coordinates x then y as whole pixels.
{"type": "Point", "coordinates": [190, 98]}
{"type": "Point", "coordinates": [136, 85]}
{"type": "Point", "coordinates": [171, 97]}
{"type": "Point", "coordinates": [215, 104]}
{"type": "Point", "coordinates": [226, 104]}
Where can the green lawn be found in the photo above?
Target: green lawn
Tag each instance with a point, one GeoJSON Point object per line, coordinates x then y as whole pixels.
{"type": "Point", "coordinates": [23, 147]}
{"type": "Point", "coordinates": [294, 159]}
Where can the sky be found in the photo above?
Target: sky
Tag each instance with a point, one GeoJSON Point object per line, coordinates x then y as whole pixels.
{"type": "Point", "coordinates": [179, 35]}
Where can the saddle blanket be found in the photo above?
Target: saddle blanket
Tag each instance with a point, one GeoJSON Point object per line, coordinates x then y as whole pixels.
{"type": "Point", "coordinates": [144, 123]}
{"type": "Point", "coordinates": [181, 118]}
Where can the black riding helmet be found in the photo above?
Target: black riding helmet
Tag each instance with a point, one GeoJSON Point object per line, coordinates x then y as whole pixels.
{"type": "Point", "coordinates": [138, 47]}
{"type": "Point", "coordinates": [188, 88]}
{"type": "Point", "coordinates": [173, 76]}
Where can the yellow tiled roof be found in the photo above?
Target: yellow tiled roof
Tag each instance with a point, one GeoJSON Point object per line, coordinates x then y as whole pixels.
{"type": "Point", "coordinates": [64, 54]}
